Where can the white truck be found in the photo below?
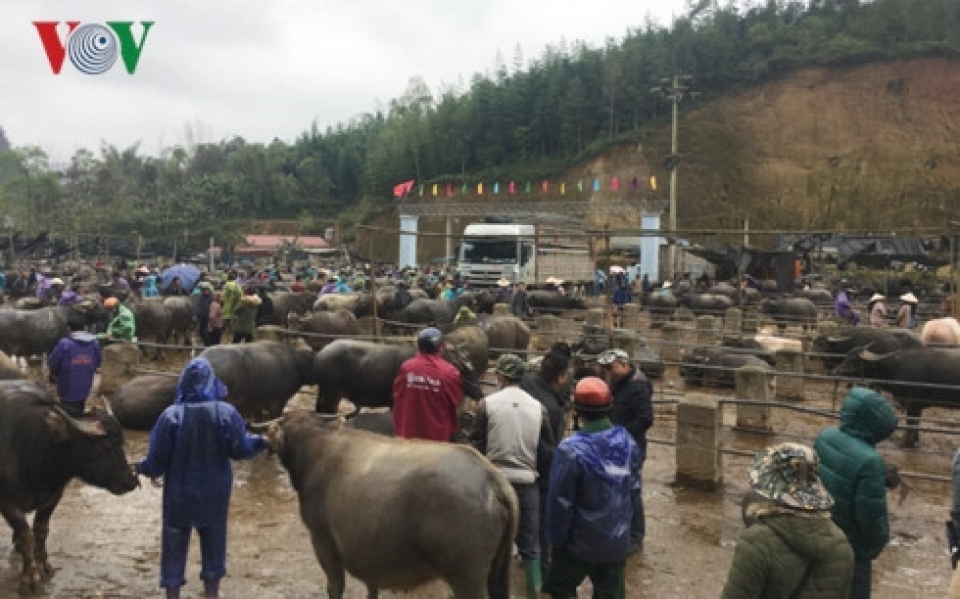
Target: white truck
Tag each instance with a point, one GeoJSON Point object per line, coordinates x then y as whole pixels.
{"type": "Point", "coordinates": [531, 253]}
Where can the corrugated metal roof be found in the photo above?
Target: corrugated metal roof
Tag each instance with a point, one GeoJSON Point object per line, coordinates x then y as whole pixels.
{"type": "Point", "coordinates": [272, 241]}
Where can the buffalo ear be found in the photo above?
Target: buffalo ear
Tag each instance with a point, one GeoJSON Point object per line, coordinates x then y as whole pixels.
{"type": "Point", "coordinates": [89, 428]}
{"type": "Point", "coordinates": [272, 433]}
{"type": "Point", "coordinates": [56, 425]}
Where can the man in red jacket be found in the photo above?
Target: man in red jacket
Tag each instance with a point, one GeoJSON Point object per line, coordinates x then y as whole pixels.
{"type": "Point", "coordinates": [427, 392]}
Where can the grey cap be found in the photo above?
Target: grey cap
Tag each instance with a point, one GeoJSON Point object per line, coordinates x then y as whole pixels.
{"type": "Point", "coordinates": [510, 366]}
{"type": "Point", "coordinates": [613, 355]}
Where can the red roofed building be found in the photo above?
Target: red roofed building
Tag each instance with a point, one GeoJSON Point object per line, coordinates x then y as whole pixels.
{"type": "Point", "coordinates": [266, 245]}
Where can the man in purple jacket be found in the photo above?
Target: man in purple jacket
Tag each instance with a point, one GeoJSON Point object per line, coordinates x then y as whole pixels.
{"type": "Point", "coordinates": [72, 365]}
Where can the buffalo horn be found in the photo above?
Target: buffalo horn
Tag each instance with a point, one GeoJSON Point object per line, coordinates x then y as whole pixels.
{"type": "Point", "coordinates": [262, 427]}
{"type": "Point", "coordinates": [90, 428]}
{"type": "Point", "coordinates": [868, 356]}
{"type": "Point", "coordinates": [838, 339]}
{"type": "Point", "coordinates": [106, 405]}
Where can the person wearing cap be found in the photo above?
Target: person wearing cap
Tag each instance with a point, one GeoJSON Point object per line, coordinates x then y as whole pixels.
{"type": "Point", "coordinates": [72, 365]}
{"type": "Point", "coordinates": [907, 314]}
{"type": "Point", "coordinates": [633, 409]}
{"type": "Point", "coordinates": [513, 430]}
{"type": "Point", "coordinates": [877, 310]}
{"type": "Point", "coordinates": [621, 295]}
{"type": "Point", "coordinates": [191, 447]}
{"type": "Point", "coordinates": [51, 295]}
{"type": "Point", "coordinates": [855, 475]}
{"type": "Point", "coordinates": [790, 546]}
{"type": "Point", "coordinates": [504, 292]}
{"type": "Point", "coordinates": [215, 320]}
{"type": "Point", "coordinates": [427, 392]}
{"type": "Point", "coordinates": [594, 484]}
{"type": "Point", "coordinates": [122, 326]}
{"type": "Point", "coordinates": [842, 306]}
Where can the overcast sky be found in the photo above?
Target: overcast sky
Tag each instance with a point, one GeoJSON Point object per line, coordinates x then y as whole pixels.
{"type": "Point", "coordinates": [269, 69]}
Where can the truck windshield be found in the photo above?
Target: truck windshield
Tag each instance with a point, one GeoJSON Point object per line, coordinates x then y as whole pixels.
{"type": "Point", "coordinates": [489, 252]}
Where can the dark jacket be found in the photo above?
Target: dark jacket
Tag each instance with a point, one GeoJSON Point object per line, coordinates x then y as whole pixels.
{"type": "Point", "coordinates": [633, 406]}
{"type": "Point", "coordinates": [594, 485]}
{"type": "Point", "coordinates": [265, 309]}
{"type": "Point", "coordinates": [790, 556]}
{"type": "Point", "coordinates": [543, 392]}
{"type": "Point", "coordinates": [73, 363]}
{"type": "Point", "coordinates": [401, 298]}
{"type": "Point", "coordinates": [854, 473]}
{"type": "Point", "coordinates": [519, 305]}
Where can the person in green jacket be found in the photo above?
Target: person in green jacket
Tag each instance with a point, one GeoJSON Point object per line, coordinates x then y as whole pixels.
{"type": "Point", "coordinates": [231, 299]}
{"type": "Point", "coordinates": [245, 316]}
{"type": "Point", "coordinates": [791, 547]}
{"type": "Point", "coordinates": [122, 327]}
{"type": "Point", "coordinates": [855, 474]}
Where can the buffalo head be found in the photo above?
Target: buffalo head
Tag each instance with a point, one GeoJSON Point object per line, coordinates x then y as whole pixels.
{"type": "Point", "coordinates": [457, 356]}
{"type": "Point", "coordinates": [96, 448]}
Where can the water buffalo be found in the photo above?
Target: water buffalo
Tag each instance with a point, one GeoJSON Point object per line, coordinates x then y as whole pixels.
{"type": "Point", "coordinates": [290, 302]}
{"type": "Point", "coordinates": [662, 305]}
{"type": "Point", "coordinates": [552, 302]}
{"type": "Point", "coordinates": [787, 311]}
{"type": "Point", "coordinates": [337, 301]}
{"type": "Point", "coordinates": [702, 304]}
{"type": "Point", "coordinates": [907, 375]}
{"type": "Point", "coordinates": [821, 297]}
{"type": "Point", "coordinates": [944, 332]}
{"type": "Point", "coordinates": [261, 377]}
{"type": "Point", "coordinates": [41, 450]}
{"type": "Point", "coordinates": [139, 402]}
{"type": "Point", "coordinates": [356, 490]}
{"type": "Point", "coordinates": [505, 333]}
{"type": "Point", "coordinates": [182, 311]}
{"type": "Point", "coordinates": [363, 372]}
{"type": "Point", "coordinates": [475, 345]}
{"type": "Point", "coordinates": [833, 350]}
{"type": "Point", "coordinates": [712, 366]}
{"type": "Point", "coordinates": [324, 327]}
{"type": "Point", "coordinates": [34, 332]}
{"type": "Point", "coordinates": [153, 320]}
{"type": "Point", "coordinates": [435, 312]}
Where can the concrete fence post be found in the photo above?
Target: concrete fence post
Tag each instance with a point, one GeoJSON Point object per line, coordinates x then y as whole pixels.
{"type": "Point", "coordinates": [699, 419]}
{"type": "Point", "coordinates": [120, 363]}
{"type": "Point", "coordinates": [707, 330]}
{"type": "Point", "coordinates": [670, 335]}
{"type": "Point", "coordinates": [626, 339]}
{"type": "Point", "coordinates": [751, 320]}
{"type": "Point", "coordinates": [547, 327]}
{"type": "Point", "coordinates": [754, 383]}
{"type": "Point", "coordinates": [733, 321]}
{"type": "Point", "coordinates": [502, 310]}
{"type": "Point", "coordinates": [789, 362]}
{"type": "Point", "coordinates": [631, 317]}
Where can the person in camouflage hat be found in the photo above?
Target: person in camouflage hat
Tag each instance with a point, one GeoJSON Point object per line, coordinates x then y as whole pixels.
{"type": "Point", "coordinates": [791, 547]}
{"type": "Point", "coordinates": [513, 430]}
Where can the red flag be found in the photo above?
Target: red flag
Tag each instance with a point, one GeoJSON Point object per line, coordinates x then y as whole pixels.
{"type": "Point", "coordinates": [512, 188]}
{"type": "Point", "coordinates": [546, 187]}
{"type": "Point", "coordinates": [615, 184]}
{"type": "Point", "coordinates": [449, 189]}
{"type": "Point", "coordinates": [402, 189]}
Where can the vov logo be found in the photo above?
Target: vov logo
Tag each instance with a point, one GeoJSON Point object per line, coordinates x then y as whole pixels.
{"type": "Point", "coordinates": [92, 47]}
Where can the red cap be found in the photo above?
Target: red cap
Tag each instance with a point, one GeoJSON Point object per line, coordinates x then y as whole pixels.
{"type": "Point", "coordinates": [592, 395]}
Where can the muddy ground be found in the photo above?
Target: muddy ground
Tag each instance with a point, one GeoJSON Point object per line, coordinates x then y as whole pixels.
{"type": "Point", "coordinates": [106, 546]}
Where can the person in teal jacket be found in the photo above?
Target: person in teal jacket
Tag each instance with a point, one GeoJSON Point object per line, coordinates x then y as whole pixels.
{"type": "Point", "coordinates": [855, 475]}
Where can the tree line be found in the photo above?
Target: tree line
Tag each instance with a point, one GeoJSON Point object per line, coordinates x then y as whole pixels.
{"type": "Point", "coordinates": [516, 121]}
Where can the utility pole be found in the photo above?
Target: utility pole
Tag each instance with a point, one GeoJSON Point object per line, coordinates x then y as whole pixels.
{"type": "Point", "coordinates": [673, 90]}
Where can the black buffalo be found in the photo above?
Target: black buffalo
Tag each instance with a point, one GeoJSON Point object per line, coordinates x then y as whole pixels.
{"type": "Point", "coordinates": [712, 366]}
{"type": "Point", "coordinates": [363, 372]}
{"type": "Point", "coordinates": [152, 319]}
{"type": "Point", "coordinates": [706, 304]}
{"type": "Point", "coordinates": [139, 402]}
{"type": "Point", "coordinates": [917, 378]}
{"type": "Point", "coordinates": [41, 450]}
{"type": "Point", "coordinates": [291, 302]}
{"type": "Point", "coordinates": [322, 328]}
{"type": "Point", "coordinates": [552, 302]}
{"type": "Point", "coordinates": [832, 350]}
{"type": "Point", "coordinates": [261, 377]}
{"type": "Point", "coordinates": [505, 333]}
{"type": "Point", "coordinates": [35, 332]}
{"type": "Point", "coordinates": [420, 511]}
{"type": "Point", "coordinates": [787, 311]}
{"type": "Point", "coordinates": [435, 312]}
{"type": "Point", "coordinates": [661, 305]}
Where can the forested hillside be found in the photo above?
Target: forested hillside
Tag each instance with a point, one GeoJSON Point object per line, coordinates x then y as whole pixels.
{"type": "Point", "coordinates": [569, 107]}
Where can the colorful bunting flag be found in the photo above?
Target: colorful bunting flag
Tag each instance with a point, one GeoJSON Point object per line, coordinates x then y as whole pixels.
{"type": "Point", "coordinates": [615, 184]}
{"type": "Point", "coordinates": [480, 188]}
{"type": "Point", "coordinates": [580, 185]}
{"type": "Point", "coordinates": [449, 190]}
{"type": "Point", "coordinates": [596, 184]}
{"type": "Point", "coordinates": [563, 188]}
{"type": "Point", "coordinates": [435, 189]}
{"type": "Point", "coordinates": [420, 191]}
{"type": "Point", "coordinates": [527, 187]}
{"type": "Point", "coordinates": [545, 186]}
{"type": "Point", "coordinates": [463, 190]}
{"type": "Point", "coordinates": [402, 189]}
{"type": "Point", "coordinates": [653, 182]}
{"type": "Point", "coordinates": [496, 188]}
{"type": "Point", "coordinates": [512, 188]}
{"type": "Point", "coordinates": [636, 183]}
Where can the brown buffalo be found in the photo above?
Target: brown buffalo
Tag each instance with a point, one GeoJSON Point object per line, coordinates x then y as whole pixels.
{"type": "Point", "coordinates": [356, 490]}
{"type": "Point", "coordinates": [323, 328]}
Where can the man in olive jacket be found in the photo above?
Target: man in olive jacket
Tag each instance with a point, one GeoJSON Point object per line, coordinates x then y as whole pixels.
{"type": "Point", "coordinates": [854, 473]}
{"type": "Point", "coordinates": [790, 547]}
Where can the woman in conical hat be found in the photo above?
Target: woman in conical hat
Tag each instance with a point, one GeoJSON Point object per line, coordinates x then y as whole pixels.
{"type": "Point", "coordinates": [877, 310]}
{"type": "Point", "coordinates": [907, 314]}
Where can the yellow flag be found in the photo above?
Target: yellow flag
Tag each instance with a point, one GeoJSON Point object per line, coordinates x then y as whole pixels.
{"type": "Point", "coordinates": [436, 189]}
{"type": "Point", "coordinates": [653, 183]}
{"type": "Point", "coordinates": [563, 188]}
{"type": "Point", "coordinates": [479, 189]}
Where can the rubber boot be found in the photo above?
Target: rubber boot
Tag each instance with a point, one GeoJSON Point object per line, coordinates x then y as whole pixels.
{"type": "Point", "coordinates": [173, 592]}
{"type": "Point", "coordinates": [211, 589]}
{"type": "Point", "coordinates": [531, 570]}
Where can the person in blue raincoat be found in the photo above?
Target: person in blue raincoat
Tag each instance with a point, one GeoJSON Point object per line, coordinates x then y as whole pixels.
{"type": "Point", "coordinates": [191, 446]}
